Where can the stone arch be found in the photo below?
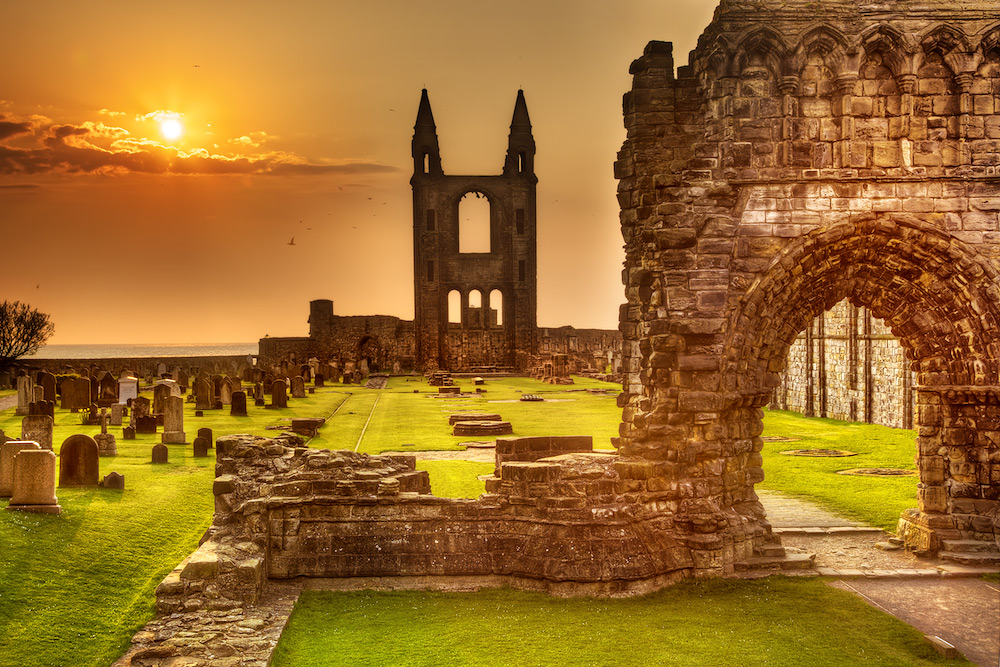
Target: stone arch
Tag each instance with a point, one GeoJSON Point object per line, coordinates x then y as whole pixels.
{"type": "Point", "coordinates": [762, 47]}
{"type": "Point", "coordinates": [989, 45]}
{"type": "Point", "coordinates": [824, 41]}
{"type": "Point", "coordinates": [893, 48]}
{"type": "Point", "coordinates": [474, 235]}
{"type": "Point", "coordinates": [944, 39]}
{"type": "Point", "coordinates": [937, 294]}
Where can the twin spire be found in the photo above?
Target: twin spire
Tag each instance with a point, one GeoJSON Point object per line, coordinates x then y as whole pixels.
{"type": "Point", "coordinates": [520, 144]}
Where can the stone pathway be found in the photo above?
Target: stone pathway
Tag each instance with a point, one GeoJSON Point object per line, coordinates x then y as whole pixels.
{"type": "Point", "coordinates": [8, 402]}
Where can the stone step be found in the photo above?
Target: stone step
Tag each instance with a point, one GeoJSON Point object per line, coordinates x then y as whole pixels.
{"type": "Point", "coordinates": [975, 559]}
{"type": "Point", "coordinates": [787, 562]}
{"type": "Point", "coordinates": [969, 546]}
{"type": "Point", "coordinates": [771, 551]}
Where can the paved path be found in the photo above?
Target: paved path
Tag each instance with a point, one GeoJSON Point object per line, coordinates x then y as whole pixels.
{"type": "Point", "coordinates": [7, 402]}
{"type": "Point", "coordinates": [787, 512]}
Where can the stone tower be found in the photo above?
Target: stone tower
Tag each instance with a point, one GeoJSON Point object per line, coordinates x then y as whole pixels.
{"type": "Point", "coordinates": [491, 291]}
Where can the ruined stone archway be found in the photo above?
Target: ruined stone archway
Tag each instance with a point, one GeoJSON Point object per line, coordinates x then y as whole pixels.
{"type": "Point", "coordinates": [937, 294]}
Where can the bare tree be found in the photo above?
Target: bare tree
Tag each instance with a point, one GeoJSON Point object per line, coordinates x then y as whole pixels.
{"type": "Point", "coordinates": [22, 331]}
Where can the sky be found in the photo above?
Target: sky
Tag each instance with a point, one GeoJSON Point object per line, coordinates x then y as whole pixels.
{"type": "Point", "coordinates": [157, 158]}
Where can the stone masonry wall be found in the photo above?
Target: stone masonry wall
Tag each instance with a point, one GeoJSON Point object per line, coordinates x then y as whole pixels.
{"type": "Point", "coordinates": [809, 153]}
{"type": "Point", "coordinates": [847, 365]}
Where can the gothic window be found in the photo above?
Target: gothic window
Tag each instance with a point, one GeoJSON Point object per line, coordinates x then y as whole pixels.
{"type": "Point", "coordinates": [474, 223]}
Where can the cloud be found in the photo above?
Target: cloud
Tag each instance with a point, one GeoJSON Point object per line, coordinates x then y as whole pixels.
{"type": "Point", "coordinates": [98, 148]}
{"type": "Point", "coordinates": [113, 114]}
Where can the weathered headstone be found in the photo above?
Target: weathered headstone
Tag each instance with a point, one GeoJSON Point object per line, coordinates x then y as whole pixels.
{"type": "Point", "coordinates": [226, 392]}
{"type": "Point", "coordinates": [161, 369]}
{"type": "Point", "coordinates": [48, 382]}
{"type": "Point", "coordinates": [34, 482]}
{"type": "Point", "coordinates": [173, 421]}
{"type": "Point", "coordinates": [182, 379]}
{"type": "Point", "coordinates": [278, 398]}
{"type": "Point", "coordinates": [128, 433]}
{"type": "Point", "coordinates": [235, 384]}
{"type": "Point", "coordinates": [128, 388]}
{"type": "Point", "coordinates": [75, 393]}
{"type": "Point", "coordinates": [117, 411]}
{"type": "Point", "coordinates": [298, 387]}
{"type": "Point", "coordinates": [239, 405]}
{"type": "Point", "coordinates": [160, 393]}
{"type": "Point", "coordinates": [319, 380]}
{"type": "Point", "coordinates": [207, 434]}
{"type": "Point", "coordinates": [145, 425]}
{"type": "Point", "coordinates": [203, 393]}
{"type": "Point", "coordinates": [200, 447]}
{"type": "Point", "coordinates": [8, 451]}
{"type": "Point", "coordinates": [38, 428]}
{"type": "Point", "coordinates": [160, 453]}
{"type": "Point", "coordinates": [113, 480]}
{"type": "Point", "coordinates": [25, 394]}
{"type": "Point", "coordinates": [78, 461]}
{"type": "Point", "coordinates": [140, 410]}
{"type": "Point", "coordinates": [107, 390]}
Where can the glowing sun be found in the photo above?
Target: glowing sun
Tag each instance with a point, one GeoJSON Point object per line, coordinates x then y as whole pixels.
{"type": "Point", "coordinates": [171, 128]}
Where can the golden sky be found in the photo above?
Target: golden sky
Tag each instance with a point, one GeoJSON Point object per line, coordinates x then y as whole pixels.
{"type": "Point", "coordinates": [295, 119]}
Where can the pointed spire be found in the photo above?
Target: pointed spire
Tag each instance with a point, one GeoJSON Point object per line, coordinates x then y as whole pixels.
{"type": "Point", "coordinates": [425, 118]}
{"type": "Point", "coordinates": [520, 144]}
{"type": "Point", "coordinates": [520, 120]}
{"type": "Point", "coordinates": [426, 154]}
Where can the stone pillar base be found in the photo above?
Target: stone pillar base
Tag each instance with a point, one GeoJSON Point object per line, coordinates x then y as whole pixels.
{"type": "Point", "coordinates": [922, 533]}
{"type": "Point", "coordinates": [173, 437]}
{"type": "Point", "coordinates": [38, 509]}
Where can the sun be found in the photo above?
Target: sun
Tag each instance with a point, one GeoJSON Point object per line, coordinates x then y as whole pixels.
{"type": "Point", "coordinates": [171, 128]}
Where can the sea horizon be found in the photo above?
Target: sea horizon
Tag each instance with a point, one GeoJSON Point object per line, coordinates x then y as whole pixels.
{"type": "Point", "coordinates": [142, 350]}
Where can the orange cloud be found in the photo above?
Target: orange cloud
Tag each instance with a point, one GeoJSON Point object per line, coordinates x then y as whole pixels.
{"type": "Point", "coordinates": [36, 145]}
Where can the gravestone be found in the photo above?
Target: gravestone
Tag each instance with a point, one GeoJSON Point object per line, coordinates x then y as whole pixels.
{"type": "Point", "coordinates": [173, 421]}
{"type": "Point", "coordinates": [94, 388]}
{"type": "Point", "coordinates": [235, 383]}
{"type": "Point", "coordinates": [78, 461]}
{"type": "Point", "coordinates": [114, 481]}
{"type": "Point", "coordinates": [37, 394]}
{"type": "Point", "coordinates": [239, 405]}
{"type": "Point", "coordinates": [319, 380]}
{"type": "Point", "coordinates": [216, 387]}
{"type": "Point", "coordinates": [162, 390]}
{"type": "Point", "coordinates": [75, 393]}
{"type": "Point", "coordinates": [48, 382]}
{"type": "Point", "coordinates": [107, 390]}
{"type": "Point", "coordinates": [116, 414]}
{"type": "Point", "coordinates": [161, 369]}
{"type": "Point", "coordinates": [306, 373]}
{"type": "Point", "coordinates": [298, 387]}
{"type": "Point", "coordinates": [34, 482]}
{"type": "Point", "coordinates": [38, 428]}
{"type": "Point", "coordinates": [226, 392]}
{"type": "Point", "coordinates": [106, 444]}
{"type": "Point", "coordinates": [207, 434]}
{"type": "Point", "coordinates": [145, 425]}
{"type": "Point", "coordinates": [160, 453]}
{"type": "Point", "coordinates": [397, 369]}
{"type": "Point", "coordinates": [8, 451]}
{"type": "Point", "coordinates": [258, 391]}
{"type": "Point", "coordinates": [200, 447]}
{"type": "Point", "coordinates": [182, 379]}
{"type": "Point", "coordinates": [204, 398]}
{"type": "Point", "coordinates": [140, 410]}
{"type": "Point", "coordinates": [128, 388]}
{"type": "Point", "coordinates": [25, 394]}
{"type": "Point", "coordinates": [128, 433]}
{"type": "Point", "coordinates": [278, 398]}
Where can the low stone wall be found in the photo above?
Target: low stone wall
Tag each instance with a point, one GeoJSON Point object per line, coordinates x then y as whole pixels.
{"type": "Point", "coordinates": [144, 366]}
{"type": "Point", "coordinates": [564, 522]}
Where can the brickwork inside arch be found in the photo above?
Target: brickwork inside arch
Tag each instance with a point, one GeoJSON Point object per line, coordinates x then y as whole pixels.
{"type": "Point", "coordinates": [799, 160]}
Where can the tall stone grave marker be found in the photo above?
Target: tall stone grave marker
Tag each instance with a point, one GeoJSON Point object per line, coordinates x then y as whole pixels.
{"type": "Point", "coordinates": [34, 482]}
{"type": "Point", "coordinates": [140, 408]}
{"type": "Point", "coordinates": [25, 394]}
{"type": "Point", "coordinates": [8, 451]}
{"type": "Point", "coordinates": [38, 428]}
{"type": "Point", "coordinates": [128, 388]}
{"type": "Point", "coordinates": [239, 404]}
{"type": "Point", "coordinates": [78, 461]}
{"type": "Point", "coordinates": [203, 393]}
{"type": "Point", "coordinates": [160, 394]}
{"type": "Point", "coordinates": [298, 387]}
{"type": "Point", "coordinates": [116, 414]}
{"type": "Point", "coordinates": [48, 382]}
{"type": "Point", "coordinates": [173, 421]}
{"type": "Point", "coordinates": [226, 391]}
{"type": "Point", "coordinates": [278, 398]}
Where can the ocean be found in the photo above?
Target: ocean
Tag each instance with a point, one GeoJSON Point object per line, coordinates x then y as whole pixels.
{"type": "Point", "coordinates": [115, 351]}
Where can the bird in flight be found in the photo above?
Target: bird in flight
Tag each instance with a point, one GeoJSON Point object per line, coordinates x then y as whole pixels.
{"type": "Point", "coordinates": [292, 242]}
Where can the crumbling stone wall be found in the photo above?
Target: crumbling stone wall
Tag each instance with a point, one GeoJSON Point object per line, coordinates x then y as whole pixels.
{"type": "Point", "coordinates": [811, 153]}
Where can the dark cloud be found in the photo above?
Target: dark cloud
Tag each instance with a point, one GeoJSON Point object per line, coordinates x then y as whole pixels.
{"type": "Point", "coordinates": [9, 129]}
{"type": "Point", "coordinates": [90, 148]}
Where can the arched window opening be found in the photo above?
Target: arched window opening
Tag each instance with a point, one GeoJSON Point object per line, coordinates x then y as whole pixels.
{"type": "Point", "coordinates": [475, 309]}
{"type": "Point", "coordinates": [454, 307]}
{"type": "Point", "coordinates": [496, 308]}
{"type": "Point", "coordinates": [427, 163]}
{"type": "Point", "coordinates": [474, 223]}
{"type": "Point", "coordinates": [520, 163]}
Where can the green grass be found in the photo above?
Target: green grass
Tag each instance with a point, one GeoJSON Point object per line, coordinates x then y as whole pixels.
{"type": "Point", "coordinates": [875, 500]}
{"type": "Point", "coordinates": [773, 622]}
{"type": "Point", "coordinates": [75, 587]}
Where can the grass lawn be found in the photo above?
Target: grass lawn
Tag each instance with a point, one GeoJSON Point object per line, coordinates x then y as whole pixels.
{"type": "Point", "coordinates": [75, 587]}
{"type": "Point", "coordinates": [874, 500]}
{"type": "Point", "coordinates": [775, 622]}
